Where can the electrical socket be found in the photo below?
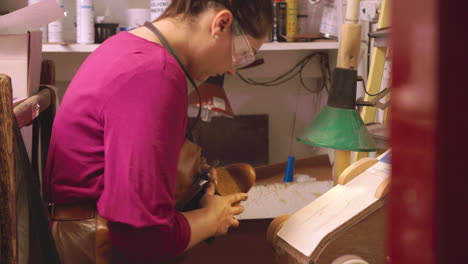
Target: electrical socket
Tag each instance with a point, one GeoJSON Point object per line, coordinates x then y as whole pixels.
{"type": "Point", "coordinates": [369, 10]}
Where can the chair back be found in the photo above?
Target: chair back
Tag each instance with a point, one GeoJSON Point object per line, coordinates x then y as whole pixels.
{"type": "Point", "coordinates": [25, 233]}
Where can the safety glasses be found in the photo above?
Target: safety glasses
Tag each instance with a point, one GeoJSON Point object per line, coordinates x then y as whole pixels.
{"type": "Point", "coordinates": [242, 52]}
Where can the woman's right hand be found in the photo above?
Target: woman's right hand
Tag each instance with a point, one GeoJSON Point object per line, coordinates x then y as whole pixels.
{"type": "Point", "coordinates": [222, 209]}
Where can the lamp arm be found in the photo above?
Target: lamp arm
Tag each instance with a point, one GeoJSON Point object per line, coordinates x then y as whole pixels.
{"type": "Point", "coordinates": [375, 102]}
{"type": "Point", "coordinates": [364, 103]}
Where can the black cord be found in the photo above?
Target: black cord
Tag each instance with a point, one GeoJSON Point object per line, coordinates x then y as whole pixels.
{"type": "Point", "coordinates": [365, 90]}
{"type": "Point", "coordinates": [369, 47]}
{"type": "Point", "coordinates": [298, 70]}
{"type": "Point", "coordinates": [284, 77]}
{"type": "Point", "coordinates": [275, 81]}
{"type": "Point", "coordinates": [326, 75]}
{"type": "Point", "coordinates": [166, 44]}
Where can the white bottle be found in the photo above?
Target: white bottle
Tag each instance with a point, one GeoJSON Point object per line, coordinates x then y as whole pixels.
{"type": "Point", "coordinates": [55, 29]}
{"type": "Point", "coordinates": [157, 7]}
{"type": "Point", "coordinates": [332, 18]}
{"type": "Point", "coordinates": [84, 21]}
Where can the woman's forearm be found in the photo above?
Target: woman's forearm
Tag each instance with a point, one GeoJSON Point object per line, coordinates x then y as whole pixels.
{"type": "Point", "coordinates": [202, 226]}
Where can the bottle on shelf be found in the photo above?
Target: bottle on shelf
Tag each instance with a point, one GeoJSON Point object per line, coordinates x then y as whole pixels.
{"type": "Point", "coordinates": [84, 21]}
{"type": "Point", "coordinates": [332, 18]}
{"type": "Point", "coordinates": [279, 21]}
{"type": "Point", "coordinates": [55, 29]}
{"type": "Point", "coordinates": [105, 26]}
{"type": "Point", "coordinates": [291, 19]}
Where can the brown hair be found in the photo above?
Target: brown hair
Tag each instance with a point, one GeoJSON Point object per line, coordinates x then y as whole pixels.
{"type": "Point", "coordinates": [254, 16]}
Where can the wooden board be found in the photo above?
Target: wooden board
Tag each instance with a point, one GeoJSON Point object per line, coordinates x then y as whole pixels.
{"type": "Point", "coordinates": [363, 236]}
{"type": "Point", "coordinates": [271, 197]}
{"type": "Point", "coordinates": [316, 225]}
{"type": "Point", "coordinates": [275, 199]}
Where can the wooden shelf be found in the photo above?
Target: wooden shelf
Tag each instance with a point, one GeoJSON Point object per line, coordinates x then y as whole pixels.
{"type": "Point", "coordinates": [269, 46]}
{"type": "Point", "coordinates": [318, 45]}
{"type": "Point", "coordinates": [69, 47]}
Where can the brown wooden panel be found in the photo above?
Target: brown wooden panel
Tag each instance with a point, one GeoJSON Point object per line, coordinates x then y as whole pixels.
{"type": "Point", "coordinates": [243, 139]}
{"type": "Point", "coordinates": [8, 237]}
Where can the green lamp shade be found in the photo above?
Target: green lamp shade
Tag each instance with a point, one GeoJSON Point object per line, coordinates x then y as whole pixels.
{"type": "Point", "coordinates": [339, 128]}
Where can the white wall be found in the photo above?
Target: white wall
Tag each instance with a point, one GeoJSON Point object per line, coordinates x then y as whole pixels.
{"type": "Point", "coordinates": [284, 103]}
{"type": "Point", "coordinates": [290, 107]}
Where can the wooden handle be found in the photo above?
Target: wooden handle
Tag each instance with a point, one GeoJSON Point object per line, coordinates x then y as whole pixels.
{"type": "Point", "coordinates": [234, 178]}
{"type": "Point", "coordinates": [355, 169]}
{"type": "Point", "coordinates": [383, 189]}
{"type": "Point", "coordinates": [274, 228]}
{"type": "Point", "coordinates": [29, 109]}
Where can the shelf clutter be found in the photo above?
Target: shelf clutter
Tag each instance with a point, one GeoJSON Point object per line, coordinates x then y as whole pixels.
{"type": "Point", "coordinates": [80, 31]}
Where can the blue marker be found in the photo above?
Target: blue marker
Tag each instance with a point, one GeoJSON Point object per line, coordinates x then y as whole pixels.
{"type": "Point", "coordinates": [288, 174]}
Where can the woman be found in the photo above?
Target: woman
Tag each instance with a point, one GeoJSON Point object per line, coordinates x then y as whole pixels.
{"type": "Point", "coordinates": [122, 122]}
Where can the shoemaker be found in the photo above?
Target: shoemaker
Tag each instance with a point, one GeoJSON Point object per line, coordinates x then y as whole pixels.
{"type": "Point", "coordinates": [121, 125]}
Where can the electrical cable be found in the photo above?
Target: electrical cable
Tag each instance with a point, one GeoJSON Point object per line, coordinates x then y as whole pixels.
{"type": "Point", "coordinates": [365, 89]}
{"type": "Point", "coordinates": [298, 69]}
{"type": "Point", "coordinates": [277, 80]}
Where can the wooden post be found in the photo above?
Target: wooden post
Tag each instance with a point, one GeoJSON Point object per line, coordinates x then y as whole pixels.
{"type": "Point", "coordinates": [8, 235]}
{"type": "Point", "coordinates": [342, 160]}
{"type": "Point", "coordinates": [348, 54]}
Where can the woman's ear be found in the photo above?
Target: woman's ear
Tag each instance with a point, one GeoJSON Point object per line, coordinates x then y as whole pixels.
{"type": "Point", "coordinates": [221, 22]}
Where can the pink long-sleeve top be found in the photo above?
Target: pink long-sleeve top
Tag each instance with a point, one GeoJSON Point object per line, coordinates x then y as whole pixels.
{"type": "Point", "coordinates": [116, 140]}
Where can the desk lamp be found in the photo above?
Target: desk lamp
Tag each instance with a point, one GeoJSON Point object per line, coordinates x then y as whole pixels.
{"type": "Point", "coordinates": [347, 58]}
{"type": "Point", "coordinates": [338, 125]}
{"type": "Point", "coordinates": [213, 99]}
